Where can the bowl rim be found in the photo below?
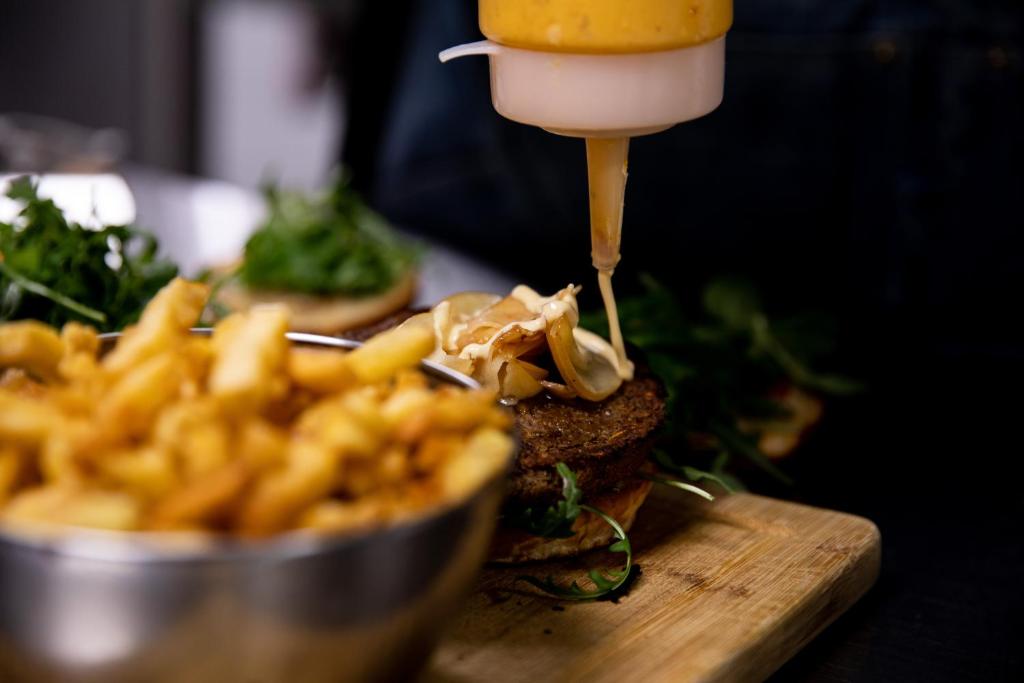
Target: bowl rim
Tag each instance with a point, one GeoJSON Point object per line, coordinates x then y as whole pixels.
{"type": "Point", "coordinates": [161, 547]}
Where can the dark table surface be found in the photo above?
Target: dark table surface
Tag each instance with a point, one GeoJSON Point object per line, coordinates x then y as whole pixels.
{"type": "Point", "coordinates": [926, 454]}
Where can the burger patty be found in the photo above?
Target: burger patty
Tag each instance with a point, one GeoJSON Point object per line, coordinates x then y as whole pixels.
{"type": "Point", "coordinates": [603, 443]}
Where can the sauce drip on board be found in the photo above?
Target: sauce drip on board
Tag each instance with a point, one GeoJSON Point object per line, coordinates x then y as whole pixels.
{"type": "Point", "coordinates": [607, 169]}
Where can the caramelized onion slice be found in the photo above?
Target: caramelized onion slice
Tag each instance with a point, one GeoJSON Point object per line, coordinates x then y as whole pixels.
{"type": "Point", "coordinates": [517, 341]}
{"type": "Point", "coordinates": [516, 381]}
{"type": "Point", "coordinates": [558, 390]}
{"type": "Point", "coordinates": [466, 305]}
{"type": "Point", "coordinates": [485, 322]}
{"type": "Point", "coordinates": [585, 361]}
{"type": "Point", "coordinates": [537, 372]}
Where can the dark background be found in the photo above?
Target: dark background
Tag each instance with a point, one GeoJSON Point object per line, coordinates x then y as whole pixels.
{"type": "Point", "coordinates": [868, 161]}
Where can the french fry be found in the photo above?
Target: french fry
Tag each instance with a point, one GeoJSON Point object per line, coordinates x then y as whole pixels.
{"type": "Point", "coordinates": [164, 323]}
{"type": "Point", "coordinates": [10, 471]}
{"type": "Point", "coordinates": [336, 515]}
{"type": "Point", "coordinates": [147, 472]}
{"type": "Point", "coordinates": [404, 406]}
{"type": "Point", "coordinates": [25, 421]}
{"type": "Point", "coordinates": [181, 417]}
{"type": "Point", "coordinates": [16, 382]}
{"type": "Point", "coordinates": [202, 500]}
{"type": "Point", "coordinates": [32, 346]}
{"type": "Point", "coordinates": [65, 505]}
{"type": "Point", "coordinates": [394, 465]}
{"type": "Point", "coordinates": [112, 510]}
{"type": "Point", "coordinates": [280, 496]}
{"type": "Point", "coordinates": [434, 450]}
{"type": "Point", "coordinates": [79, 338]}
{"type": "Point", "coordinates": [463, 410]}
{"type": "Point", "coordinates": [363, 404]}
{"type": "Point", "coordinates": [197, 355]}
{"type": "Point", "coordinates": [261, 445]}
{"type": "Point", "coordinates": [248, 358]}
{"type": "Point", "coordinates": [475, 462]}
{"type": "Point", "coordinates": [41, 504]}
{"type": "Point", "coordinates": [133, 403]}
{"type": "Point", "coordinates": [410, 379]}
{"type": "Point", "coordinates": [204, 448]}
{"type": "Point", "coordinates": [388, 353]}
{"type": "Point", "coordinates": [59, 457]}
{"type": "Point", "coordinates": [80, 368]}
{"type": "Point", "coordinates": [324, 371]}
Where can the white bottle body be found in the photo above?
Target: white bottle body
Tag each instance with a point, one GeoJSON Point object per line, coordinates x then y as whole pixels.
{"type": "Point", "coordinates": [612, 95]}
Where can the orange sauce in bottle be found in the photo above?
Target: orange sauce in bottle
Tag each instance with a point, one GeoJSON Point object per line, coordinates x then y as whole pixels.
{"type": "Point", "coordinates": [604, 26]}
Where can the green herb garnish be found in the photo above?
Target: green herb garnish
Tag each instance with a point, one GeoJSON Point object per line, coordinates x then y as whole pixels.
{"type": "Point", "coordinates": [554, 521]}
{"type": "Point", "coordinates": [720, 367]}
{"type": "Point", "coordinates": [328, 244]}
{"type": "Point", "coordinates": [666, 462]}
{"type": "Point", "coordinates": [55, 271]}
{"type": "Point", "coordinates": [682, 485]}
{"type": "Point", "coordinates": [215, 309]}
{"type": "Point", "coordinates": [608, 583]}
{"type": "Point", "coordinates": [735, 304]}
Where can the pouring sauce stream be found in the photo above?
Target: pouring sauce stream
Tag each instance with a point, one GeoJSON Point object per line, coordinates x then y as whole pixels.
{"type": "Point", "coordinates": [607, 169]}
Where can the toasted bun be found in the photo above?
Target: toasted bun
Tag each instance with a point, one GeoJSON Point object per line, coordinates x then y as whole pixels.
{"type": "Point", "coordinates": [325, 314]}
{"type": "Point", "coordinates": [515, 545]}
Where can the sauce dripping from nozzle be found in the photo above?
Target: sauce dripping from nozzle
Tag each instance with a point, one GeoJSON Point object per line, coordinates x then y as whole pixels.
{"type": "Point", "coordinates": [607, 166]}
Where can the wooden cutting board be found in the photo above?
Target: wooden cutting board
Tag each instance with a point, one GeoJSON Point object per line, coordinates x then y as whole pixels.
{"type": "Point", "coordinates": [729, 591]}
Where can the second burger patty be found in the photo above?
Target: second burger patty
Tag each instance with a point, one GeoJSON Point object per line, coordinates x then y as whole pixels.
{"type": "Point", "coordinates": [603, 443]}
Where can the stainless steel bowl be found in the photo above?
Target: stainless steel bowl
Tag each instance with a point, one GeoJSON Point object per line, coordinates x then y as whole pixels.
{"type": "Point", "coordinates": [92, 606]}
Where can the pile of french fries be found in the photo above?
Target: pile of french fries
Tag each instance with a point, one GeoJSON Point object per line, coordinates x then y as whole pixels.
{"type": "Point", "coordinates": [239, 432]}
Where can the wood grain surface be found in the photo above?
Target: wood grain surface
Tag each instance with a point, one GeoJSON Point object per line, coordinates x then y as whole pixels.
{"type": "Point", "coordinates": [728, 592]}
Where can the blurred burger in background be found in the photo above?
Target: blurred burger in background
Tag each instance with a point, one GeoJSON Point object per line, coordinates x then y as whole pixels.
{"type": "Point", "coordinates": [334, 262]}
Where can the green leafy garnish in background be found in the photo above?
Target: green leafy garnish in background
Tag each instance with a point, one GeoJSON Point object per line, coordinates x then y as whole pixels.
{"type": "Point", "coordinates": [55, 271]}
{"type": "Point", "coordinates": [719, 368]}
{"type": "Point", "coordinates": [327, 244]}
{"type": "Point", "coordinates": [735, 304]}
{"type": "Point", "coordinates": [554, 521]}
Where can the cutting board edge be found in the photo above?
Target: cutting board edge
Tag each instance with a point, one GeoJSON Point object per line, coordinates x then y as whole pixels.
{"type": "Point", "coordinates": [832, 599]}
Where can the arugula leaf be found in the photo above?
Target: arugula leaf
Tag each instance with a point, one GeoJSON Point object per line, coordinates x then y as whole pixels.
{"type": "Point", "coordinates": [555, 521]}
{"type": "Point", "coordinates": [734, 302]}
{"type": "Point", "coordinates": [328, 244]}
{"type": "Point", "coordinates": [766, 342]}
{"type": "Point", "coordinates": [608, 583]}
{"type": "Point", "coordinates": [674, 483]}
{"type": "Point", "coordinates": [56, 271]}
{"type": "Point", "coordinates": [215, 309]}
{"type": "Point", "coordinates": [663, 460]}
{"type": "Point", "coordinates": [32, 287]}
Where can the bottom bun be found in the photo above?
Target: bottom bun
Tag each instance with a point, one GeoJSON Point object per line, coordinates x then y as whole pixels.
{"type": "Point", "coordinates": [515, 545]}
